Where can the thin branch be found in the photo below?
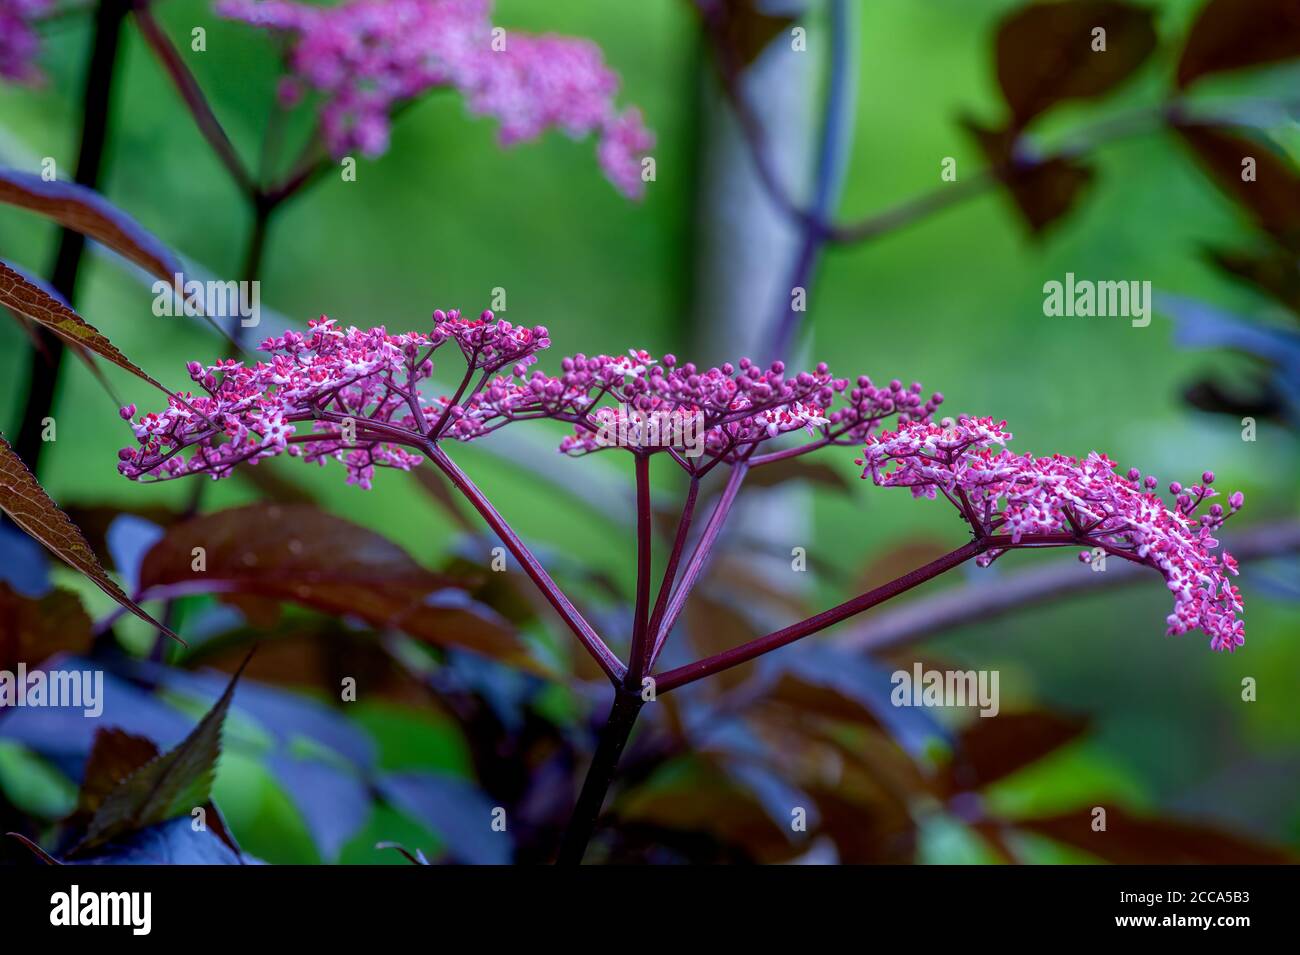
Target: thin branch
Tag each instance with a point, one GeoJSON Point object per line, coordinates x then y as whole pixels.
{"type": "Point", "coordinates": [675, 556]}
{"type": "Point", "coordinates": [699, 556]}
{"type": "Point", "coordinates": [980, 602]}
{"type": "Point", "coordinates": [192, 94]}
{"type": "Point", "coordinates": [817, 226]}
{"type": "Point", "coordinates": [586, 635]}
{"type": "Point", "coordinates": [780, 638]}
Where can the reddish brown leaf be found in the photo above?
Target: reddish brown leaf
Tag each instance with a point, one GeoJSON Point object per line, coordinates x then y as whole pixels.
{"type": "Point", "coordinates": [273, 485]}
{"type": "Point", "coordinates": [1045, 52]}
{"type": "Point", "coordinates": [1134, 840]}
{"type": "Point", "coordinates": [1272, 198]}
{"type": "Point", "coordinates": [1250, 399]}
{"type": "Point", "coordinates": [820, 701]}
{"type": "Point", "coordinates": [1043, 190]}
{"type": "Point", "coordinates": [992, 748]}
{"type": "Point", "coordinates": [27, 299]}
{"type": "Point", "coordinates": [878, 833]}
{"type": "Point", "coordinates": [33, 629]}
{"type": "Point", "coordinates": [902, 558]}
{"type": "Point", "coordinates": [702, 799]}
{"type": "Point", "coordinates": [37, 343]}
{"type": "Point", "coordinates": [714, 626]}
{"type": "Point", "coordinates": [1232, 34]}
{"type": "Point", "coordinates": [300, 554]}
{"type": "Point", "coordinates": [315, 652]}
{"type": "Point", "coordinates": [114, 756]}
{"type": "Point", "coordinates": [85, 211]}
{"type": "Point", "coordinates": [23, 499]}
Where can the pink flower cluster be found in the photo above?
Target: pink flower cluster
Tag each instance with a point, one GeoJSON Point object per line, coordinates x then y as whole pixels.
{"type": "Point", "coordinates": [1060, 500]}
{"type": "Point", "coordinates": [358, 393]}
{"type": "Point", "coordinates": [367, 56]}
{"type": "Point", "coordinates": [358, 389]}
{"type": "Point", "coordinates": [19, 42]}
{"type": "Point", "coordinates": [361, 392]}
{"type": "Point", "coordinates": [737, 406]}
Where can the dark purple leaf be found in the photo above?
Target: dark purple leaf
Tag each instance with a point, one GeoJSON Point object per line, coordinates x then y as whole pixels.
{"type": "Point", "coordinates": [1271, 197]}
{"type": "Point", "coordinates": [1045, 52]}
{"type": "Point", "coordinates": [85, 211]}
{"type": "Point", "coordinates": [300, 554]}
{"type": "Point", "coordinates": [1043, 190]}
{"type": "Point", "coordinates": [1232, 34]}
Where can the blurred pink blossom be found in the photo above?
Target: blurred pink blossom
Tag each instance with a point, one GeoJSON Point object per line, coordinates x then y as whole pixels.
{"type": "Point", "coordinates": [368, 56]}
{"type": "Point", "coordinates": [19, 42]}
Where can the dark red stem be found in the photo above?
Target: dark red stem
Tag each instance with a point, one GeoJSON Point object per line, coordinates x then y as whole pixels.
{"type": "Point", "coordinates": [638, 659]}
{"type": "Point", "coordinates": [188, 88]}
{"type": "Point", "coordinates": [779, 638]}
{"type": "Point", "coordinates": [699, 557]}
{"type": "Point", "coordinates": [586, 635]}
{"type": "Point", "coordinates": [674, 556]}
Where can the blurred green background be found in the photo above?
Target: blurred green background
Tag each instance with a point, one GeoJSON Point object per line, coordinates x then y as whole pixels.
{"type": "Point", "coordinates": [954, 302]}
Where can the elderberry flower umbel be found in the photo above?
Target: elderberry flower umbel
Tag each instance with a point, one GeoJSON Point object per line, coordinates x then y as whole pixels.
{"type": "Point", "coordinates": [1027, 501]}
{"type": "Point", "coordinates": [738, 406]}
{"type": "Point", "coordinates": [356, 396]}
{"type": "Point", "coordinates": [365, 57]}
{"type": "Point", "coordinates": [19, 42]}
{"type": "Point", "coordinates": [346, 394]}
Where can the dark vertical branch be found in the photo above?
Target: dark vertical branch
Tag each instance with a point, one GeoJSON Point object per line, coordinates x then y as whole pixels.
{"type": "Point", "coordinates": [639, 655]}
{"type": "Point", "coordinates": [582, 824]}
{"type": "Point", "coordinates": [44, 362]}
